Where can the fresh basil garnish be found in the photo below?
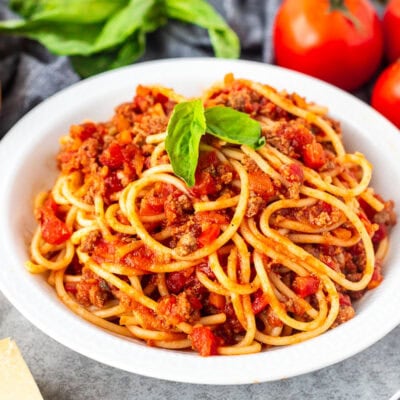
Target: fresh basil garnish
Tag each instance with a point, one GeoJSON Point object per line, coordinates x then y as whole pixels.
{"type": "Point", "coordinates": [234, 126]}
{"type": "Point", "coordinates": [189, 122]}
{"type": "Point", "coordinates": [185, 128]}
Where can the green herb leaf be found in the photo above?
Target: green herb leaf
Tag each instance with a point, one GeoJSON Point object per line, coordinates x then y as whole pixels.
{"type": "Point", "coordinates": [60, 39]}
{"type": "Point", "coordinates": [225, 43]}
{"type": "Point", "coordinates": [124, 54]}
{"type": "Point", "coordinates": [74, 39]}
{"type": "Point", "coordinates": [234, 126]}
{"type": "Point", "coordinates": [223, 39]}
{"type": "Point", "coordinates": [189, 122]}
{"type": "Point", "coordinates": [74, 11]}
{"type": "Point", "coordinates": [185, 128]}
{"type": "Point", "coordinates": [107, 34]}
{"type": "Point", "coordinates": [124, 23]}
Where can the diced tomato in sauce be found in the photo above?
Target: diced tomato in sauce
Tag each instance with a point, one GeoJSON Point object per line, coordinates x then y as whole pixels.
{"type": "Point", "coordinates": [205, 183]}
{"type": "Point", "coordinates": [377, 277]}
{"type": "Point", "coordinates": [261, 184]}
{"type": "Point", "coordinates": [211, 217]}
{"type": "Point", "coordinates": [260, 301]}
{"type": "Point", "coordinates": [112, 184]}
{"type": "Point", "coordinates": [177, 280]}
{"type": "Point", "coordinates": [204, 341]}
{"type": "Point", "coordinates": [154, 200]}
{"type": "Point", "coordinates": [83, 131]}
{"type": "Point", "coordinates": [112, 156]}
{"type": "Point", "coordinates": [53, 229]}
{"type": "Point", "coordinates": [344, 299]}
{"type": "Point", "coordinates": [314, 155]}
{"type": "Point", "coordinates": [140, 258]}
{"type": "Point", "coordinates": [209, 235]}
{"type": "Point", "coordinates": [217, 300]}
{"type": "Point", "coordinates": [380, 234]}
{"type": "Point", "coordinates": [305, 286]}
{"type": "Point", "coordinates": [293, 173]}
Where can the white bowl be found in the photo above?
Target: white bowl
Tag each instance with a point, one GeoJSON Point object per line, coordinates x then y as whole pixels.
{"type": "Point", "coordinates": [27, 162]}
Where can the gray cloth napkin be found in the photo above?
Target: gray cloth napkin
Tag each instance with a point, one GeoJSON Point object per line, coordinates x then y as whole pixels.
{"type": "Point", "coordinates": [29, 73]}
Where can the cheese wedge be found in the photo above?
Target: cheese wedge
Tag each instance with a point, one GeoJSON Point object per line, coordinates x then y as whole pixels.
{"type": "Point", "coordinates": [16, 381]}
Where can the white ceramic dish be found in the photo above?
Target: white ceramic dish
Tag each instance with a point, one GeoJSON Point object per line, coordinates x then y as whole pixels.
{"type": "Point", "coordinates": [27, 162]}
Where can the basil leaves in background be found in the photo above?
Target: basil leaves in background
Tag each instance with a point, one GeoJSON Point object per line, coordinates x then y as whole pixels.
{"type": "Point", "coordinates": [189, 122]}
{"type": "Point", "coordinates": [104, 34]}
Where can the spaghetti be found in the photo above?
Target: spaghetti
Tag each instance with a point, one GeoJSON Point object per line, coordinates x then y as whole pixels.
{"type": "Point", "coordinates": [270, 247]}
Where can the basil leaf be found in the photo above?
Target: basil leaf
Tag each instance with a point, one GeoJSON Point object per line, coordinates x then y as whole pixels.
{"type": "Point", "coordinates": [74, 11]}
{"type": "Point", "coordinates": [75, 39]}
{"type": "Point", "coordinates": [125, 22]}
{"type": "Point", "coordinates": [225, 43]}
{"type": "Point", "coordinates": [60, 39]}
{"type": "Point", "coordinates": [234, 126]}
{"type": "Point", "coordinates": [223, 39]}
{"type": "Point", "coordinates": [185, 128]}
{"type": "Point", "coordinates": [124, 54]}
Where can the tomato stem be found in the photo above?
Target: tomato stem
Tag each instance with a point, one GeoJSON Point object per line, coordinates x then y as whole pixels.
{"type": "Point", "coordinates": [339, 5]}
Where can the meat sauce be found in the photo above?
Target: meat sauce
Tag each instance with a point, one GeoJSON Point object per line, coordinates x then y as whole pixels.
{"type": "Point", "coordinates": [111, 155]}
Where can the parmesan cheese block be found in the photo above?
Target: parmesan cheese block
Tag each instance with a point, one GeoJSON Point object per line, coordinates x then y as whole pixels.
{"type": "Point", "coordinates": [16, 381]}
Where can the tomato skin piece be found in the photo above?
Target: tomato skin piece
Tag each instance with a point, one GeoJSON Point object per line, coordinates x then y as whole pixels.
{"type": "Point", "coordinates": [386, 93]}
{"type": "Point", "coordinates": [204, 341]}
{"type": "Point", "coordinates": [391, 30]}
{"type": "Point", "coordinates": [324, 43]}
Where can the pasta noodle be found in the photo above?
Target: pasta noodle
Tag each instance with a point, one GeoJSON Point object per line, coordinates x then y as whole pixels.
{"type": "Point", "coordinates": [270, 247]}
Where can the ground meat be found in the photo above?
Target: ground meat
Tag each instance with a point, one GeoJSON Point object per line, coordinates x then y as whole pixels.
{"type": "Point", "coordinates": [85, 158]}
{"type": "Point", "coordinates": [89, 242]}
{"type": "Point", "coordinates": [92, 290]}
{"type": "Point", "coordinates": [255, 205]}
{"type": "Point", "coordinates": [387, 216]}
{"type": "Point", "coordinates": [186, 244]}
{"type": "Point", "coordinates": [289, 137]}
{"type": "Point", "coordinates": [345, 313]}
{"type": "Point", "coordinates": [174, 309]}
{"type": "Point", "coordinates": [319, 215]}
{"type": "Point", "coordinates": [176, 207]}
{"type": "Point", "coordinates": [225, 175]}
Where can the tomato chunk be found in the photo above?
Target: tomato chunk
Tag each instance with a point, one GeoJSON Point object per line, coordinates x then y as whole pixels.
{"type": "Point", "coordinates": [260, 183]}
{"type": "Point", "coordinates": [305, 286]}
{"type": "Point", "coordinates": [53, 229]}
{"type": "Point", "coordinates": [260, 301]}
{"type": "Point", "coordinates": [113, 156]}
{"type": "Point", "coordinates": [313, 155]}
{"type": "Point", "coordinates": [204, 341]}
{"type": "Point", "coordinates": [209, 235]}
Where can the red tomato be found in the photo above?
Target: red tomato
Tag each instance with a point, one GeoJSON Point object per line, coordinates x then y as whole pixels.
{"type": "Point", "coordinates": [204, 341]}
{"type": "Point", "coordinates": [260, 183]}
{"type": "Point", "coordinates": [313, 155]}
{"type": "Point", "coordinates": [53, 229]}
{"type": "Point", "coordinates": [305, 285]}
{"type": "Point", "coordinates": [391, 30]}
{"type": "Point", "coordinates": [386, 93]}
{"type": "Point", "coordinates": [340, 42]}
{"type": "Point", "coordinates": [260, 301]}
{"type": "Point", "coordinates": [209, 235]}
